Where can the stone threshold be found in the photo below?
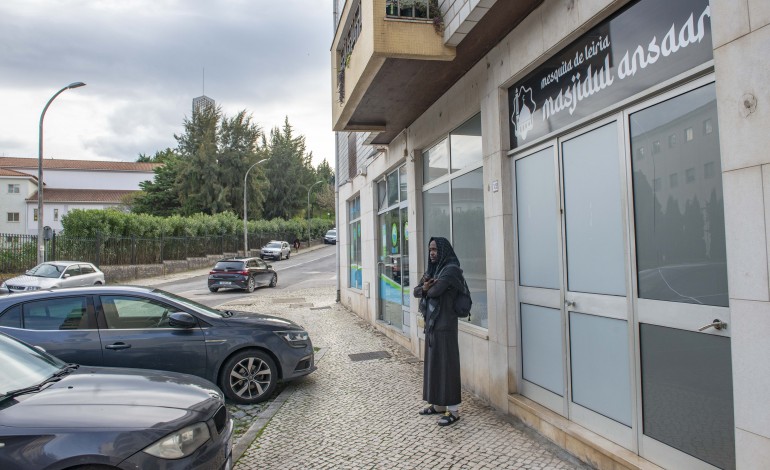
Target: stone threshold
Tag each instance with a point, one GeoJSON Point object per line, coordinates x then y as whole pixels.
{"type": "Point", "coordinates": [587, 446]}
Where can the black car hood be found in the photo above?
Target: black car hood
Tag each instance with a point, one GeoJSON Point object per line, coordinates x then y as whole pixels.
{"type": "Point", "coordinates": [240, 318]}
{"type": "Point", "coordinates": [112, 398]}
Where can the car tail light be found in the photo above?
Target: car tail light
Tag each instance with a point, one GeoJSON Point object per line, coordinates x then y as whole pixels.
{"type": "Point", "coordinates": [244, 273]}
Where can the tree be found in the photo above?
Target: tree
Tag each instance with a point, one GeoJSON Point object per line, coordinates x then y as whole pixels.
{"type": "Point", "coordinates": [159, 197]}
{"type": "Point", "coordinates": [238, 150]}
{"type": "Point", "coordinates": [289, 172]}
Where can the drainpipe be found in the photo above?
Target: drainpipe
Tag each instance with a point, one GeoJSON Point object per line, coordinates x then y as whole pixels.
{"type": "Point", "coordinates": [337, 200]}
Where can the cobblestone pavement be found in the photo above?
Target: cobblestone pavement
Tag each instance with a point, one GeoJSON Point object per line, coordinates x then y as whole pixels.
{"type": "Point", "coordinates": [363, 414]}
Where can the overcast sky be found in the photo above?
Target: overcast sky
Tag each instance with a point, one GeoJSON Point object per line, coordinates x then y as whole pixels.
{"type": "Point", "coordinates": [143, 62]}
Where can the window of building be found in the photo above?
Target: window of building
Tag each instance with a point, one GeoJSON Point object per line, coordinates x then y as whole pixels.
{"type": "Point", "coordinates": [34, 215]}
{"type": "Point", "coordinates": [656, 147]}
{"type": "Point", "coordinates": [639, 154]}
{"type": "Point", "coordinates": [709, 170]}
{"type": "Point", "coordinates": [56, 215]}
{"type": "Point", "coordinates": [689, 135]}
{"type": "Point", "coordinates": [13, 217]}
{"type": "Point", "coordinates": [14, 189]}
{"type": "Point", "coordinates": [689, 175]}
{"type": "Point", "coordinates": [672, 139]}
{"type": "Point", "coordinates": [354, 238]}
{"type": "Point", "coordinates": [453, 206]}
{"type": "Point", "coordinates": [408, 9]}
{"type": "Point", "coordinates": [708, 126]}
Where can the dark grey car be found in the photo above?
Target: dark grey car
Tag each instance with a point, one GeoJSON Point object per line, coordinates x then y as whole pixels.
{"type": "Point", "coordinates": [55, 416]}
{"type": "Point", "coordinates": [121, 326]}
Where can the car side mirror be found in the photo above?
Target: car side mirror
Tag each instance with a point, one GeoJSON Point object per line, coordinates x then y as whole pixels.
{"type": "Point", "coordinates": [269, 266]}
{"type": "Point", "coordinates": [182, 320]}
{"type": "Point", "coordinates": [66, 276]}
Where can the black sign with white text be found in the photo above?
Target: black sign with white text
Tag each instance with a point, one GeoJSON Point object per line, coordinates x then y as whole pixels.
{"type": "Point", "coordinates": [642, 45]}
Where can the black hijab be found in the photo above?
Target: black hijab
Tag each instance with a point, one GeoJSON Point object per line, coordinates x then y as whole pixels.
{"type": "Point", "coordinates": [445, 256]}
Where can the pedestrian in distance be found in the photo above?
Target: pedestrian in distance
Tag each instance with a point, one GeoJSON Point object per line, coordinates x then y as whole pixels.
{"type": "Point", "coordinates": [296, 244]}
{"type": "Point", "coordinates": [437, 291]}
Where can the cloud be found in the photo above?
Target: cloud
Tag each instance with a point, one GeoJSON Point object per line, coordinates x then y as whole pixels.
{"type": "Point", "coordinates": [144, 62]}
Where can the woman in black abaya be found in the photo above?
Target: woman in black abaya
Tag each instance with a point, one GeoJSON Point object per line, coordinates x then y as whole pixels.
{"type": "Point", "coordinates": [437, 292]}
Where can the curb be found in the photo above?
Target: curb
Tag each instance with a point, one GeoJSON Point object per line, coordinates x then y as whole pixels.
{"type": "Point", "coordinates": [244, 442]}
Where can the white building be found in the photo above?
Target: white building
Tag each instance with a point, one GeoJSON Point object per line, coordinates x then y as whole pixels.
{"type": "Point", "coordinates": [601, 170]}
{"type": "Point", "coordinates": [69, 184]}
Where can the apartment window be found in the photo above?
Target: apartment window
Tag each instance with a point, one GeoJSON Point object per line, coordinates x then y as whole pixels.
{"type": "Point", "coordinates": [56, 215]}
{"type": "Point", "coordinates": [354, 240]}
{"type": "Point", "coordinates": [656, 147]}
{"type": "Point", "coordinates": [708, 126]}
{"type": "Point", "coordinates": [640, 153]}
{"type": "Point", "coordinates": [14, 189]}
{"type": "Point", "coordinates": [34, 215]}
{"type": "Point", "coordinates": [689, 135]}
{"type": "Point", "coordinates": [689, 175]}
{"type": "Point", "coordinates": [709, 170]}
{"type": "Point", "coordinates": [672, 139]}
{"type": "Point", "coordinates": [408, 9]}
{"type": "Point", "coordinates": [13, 217]}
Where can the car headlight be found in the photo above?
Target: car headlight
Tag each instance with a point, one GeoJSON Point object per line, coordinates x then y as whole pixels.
{"type": "Point", "coordinates": [181, 443]}
{"type": "Point", "coordinates": [294, 337]}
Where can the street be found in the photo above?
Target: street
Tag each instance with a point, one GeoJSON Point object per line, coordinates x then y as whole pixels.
{"type": "Point", "coordinates": [306, 269]}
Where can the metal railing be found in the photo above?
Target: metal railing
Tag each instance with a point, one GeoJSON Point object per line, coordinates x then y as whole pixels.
{"type": "Point", "coordinates": [18, 253]}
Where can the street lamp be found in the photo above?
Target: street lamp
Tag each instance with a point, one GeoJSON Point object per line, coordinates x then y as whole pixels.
{"type": "Point", "coordinates": [308, 209]}
{"type": "Point", "coordinates": [40, 242]}
{"type": "Point", "coordinates": [245, 230]}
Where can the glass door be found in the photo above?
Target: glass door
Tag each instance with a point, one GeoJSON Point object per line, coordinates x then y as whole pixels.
{"type": "Point", "coordinates": [680, 271]}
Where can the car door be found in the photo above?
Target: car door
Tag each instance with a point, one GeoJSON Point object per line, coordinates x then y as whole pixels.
{"type": "Point", "coordinates": [135, 333]}
{"type": "Point", "coordinates": [88, 275]}
{"type": "Point", "coordinates": [261, 272]}
{"type": "Point", "coordinates": [71, 276]}
{"type": "Point", "coordinates": [64, 326]}
{"type": "Point", "coordinates": [285, 249]}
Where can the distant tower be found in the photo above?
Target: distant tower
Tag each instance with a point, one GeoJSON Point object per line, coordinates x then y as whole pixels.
{"type": "Point", "coordinates": [203, 101]}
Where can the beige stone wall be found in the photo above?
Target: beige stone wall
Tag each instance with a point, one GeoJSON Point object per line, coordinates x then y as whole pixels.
{"type": "Point", "coordinates": [741, 31]}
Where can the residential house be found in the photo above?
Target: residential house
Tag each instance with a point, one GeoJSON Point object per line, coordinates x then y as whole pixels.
{"type": "Point", "coordinates": [601, 170]}
{"type": "Point", "coordinates": [69, 184]}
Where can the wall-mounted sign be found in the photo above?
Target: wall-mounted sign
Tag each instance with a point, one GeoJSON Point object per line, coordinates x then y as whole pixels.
{"type": "Point", "coordinates": [644, 44]}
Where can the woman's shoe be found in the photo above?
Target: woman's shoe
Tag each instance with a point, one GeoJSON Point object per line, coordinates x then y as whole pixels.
{"type": "Point", "coordinates": [448, 419]}
{"type": "Point", "coordinates": [430, 410]}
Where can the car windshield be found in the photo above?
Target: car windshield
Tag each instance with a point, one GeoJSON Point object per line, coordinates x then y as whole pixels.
{"type": "Point", "coordinates": [47, 270]}
{"type": "Point", "coordinates": [273, 245]}
{"type": "Point", "coordinates": [331, 233]}
{"type": "Point", "coordinates": [23, 366]}
{"type": "Point", "coordinates": [229, 265]}
{"type": "Point", "coordinates": [192, 305]}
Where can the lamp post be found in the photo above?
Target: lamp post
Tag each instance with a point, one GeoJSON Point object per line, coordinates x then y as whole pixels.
{"type": "Point", "coordinates": [308, 210]}
{"type": "Point", "coordinates": [40, 242]}
{"type": "Point", "coordinates": [245, 230]}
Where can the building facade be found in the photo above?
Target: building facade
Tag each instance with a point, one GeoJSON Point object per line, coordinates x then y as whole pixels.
{"type": "Point", "coordinates": [599, 167]}
{"type": "Point", "coordinates": [69, 184]}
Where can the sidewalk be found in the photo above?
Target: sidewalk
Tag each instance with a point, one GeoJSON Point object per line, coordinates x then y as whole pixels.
{"type": "Point", "coordinates": [361, 412]}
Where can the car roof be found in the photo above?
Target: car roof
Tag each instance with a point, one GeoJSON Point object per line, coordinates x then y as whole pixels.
{"type": "Point", "coordinates": [102, 290]}
{"type": "Point", "coordinates": [65, 263]}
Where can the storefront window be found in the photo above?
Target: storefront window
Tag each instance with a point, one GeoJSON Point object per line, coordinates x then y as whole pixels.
{"type": "Point", "coordinates": [465, 144]}
{"type": "Point", "coordinates": [354, 236]}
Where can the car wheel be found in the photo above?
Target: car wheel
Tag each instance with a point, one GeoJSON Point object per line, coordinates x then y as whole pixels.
{"type": "Point", "coordinates": [213, 289]}
{"type": "Point", "coordinates": [98, 283]}
{"type": "Point", "coordinates": [288, 255]}
{"type": "Point", "coordinates": [251, 284]}
{"type": "Point", "coordinates": [249, 377]}
{"type": "Point", "coordinates": [274, 280]}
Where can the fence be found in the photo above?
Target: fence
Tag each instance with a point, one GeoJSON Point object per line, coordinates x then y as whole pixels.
{"type": "Point", "coordinates": [18, 253]}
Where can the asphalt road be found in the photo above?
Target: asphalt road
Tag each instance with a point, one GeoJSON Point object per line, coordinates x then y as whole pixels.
{"type": "Point", "coordinates": [313, 268]}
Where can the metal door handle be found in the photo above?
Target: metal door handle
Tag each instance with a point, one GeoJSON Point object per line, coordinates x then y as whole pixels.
{"type": "Point", "coordinates": [569, 304]}
{"type": "Point", "coordinates": [717, 323]}
{"type": "Point", "coordinates": [117, 346]}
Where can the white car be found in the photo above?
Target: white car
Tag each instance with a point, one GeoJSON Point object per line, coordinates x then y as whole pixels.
{"type": "Point", "coordinates": [277, 250]}
{"type": "Point", "coordinates": [331, 237]}
{"type": "Point", "coordinates": [56, 274]}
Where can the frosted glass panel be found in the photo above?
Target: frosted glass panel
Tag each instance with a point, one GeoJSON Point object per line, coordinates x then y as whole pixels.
{"type": "Point", "coordinates": [541, 338]}
{"type": "Point", "coordinates": [538, 219]}
{"type": "Point", "coordinates": [435, 204]}
{"type": "Point", "coordinates": [599, 358]}
{"type": "Point", "coordinates": [687, 392]}
{"type": "Point", "coordinates": [593, 215]}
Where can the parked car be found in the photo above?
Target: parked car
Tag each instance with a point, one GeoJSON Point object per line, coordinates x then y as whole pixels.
{"type": "Point", "coordinates": [277, 250]}
{"type": "Point", "coordinates": [331, 237]}
{"type": "Point", "coordinates": [56, 274]}
{"type": "Point", "coordinates": [140, 327]}
{"type": "Point", "coordinates": [55, 415]}
{"type": "Point", "coordinates": [241, 273]}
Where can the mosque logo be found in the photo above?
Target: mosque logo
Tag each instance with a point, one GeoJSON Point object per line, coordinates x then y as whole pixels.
{"type": "Point", "coordinates": [523, 114]}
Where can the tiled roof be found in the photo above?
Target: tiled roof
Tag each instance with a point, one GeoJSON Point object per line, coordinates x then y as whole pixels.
{"type": "Point", "coordinates": [58, 164]}
{"type": "Point", "coordinates": [7, 172]}
{"type": "Point", "coordinates": [82, 195]}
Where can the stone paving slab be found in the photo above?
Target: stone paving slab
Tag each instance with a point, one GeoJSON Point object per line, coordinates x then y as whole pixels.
{"type": "Point", "coordinates": [363, 414]}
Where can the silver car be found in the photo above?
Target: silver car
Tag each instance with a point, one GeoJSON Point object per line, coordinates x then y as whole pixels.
{"type": "Point", "coordinates": [276, 250]}
{"type": "Point", "coordinates": [56, 274]}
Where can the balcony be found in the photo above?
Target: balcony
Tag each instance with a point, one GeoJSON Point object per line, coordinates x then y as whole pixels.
{"type": "Point", "coordinates": [391, 59]}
